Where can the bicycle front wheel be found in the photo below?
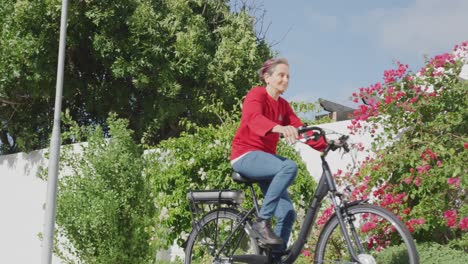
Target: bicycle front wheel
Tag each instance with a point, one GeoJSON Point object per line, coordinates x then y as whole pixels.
{"type": "Point", "coordinates": [212, 233]}
{"type": "Point", "coordinates": [378, 236]}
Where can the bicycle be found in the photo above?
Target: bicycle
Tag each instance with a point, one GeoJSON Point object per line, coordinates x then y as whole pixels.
{"type": "Point", "coordinates": [357, 232]}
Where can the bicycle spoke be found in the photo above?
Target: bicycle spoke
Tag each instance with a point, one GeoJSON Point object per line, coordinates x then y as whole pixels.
{"type": "Point", "coordinates": [205, 246]}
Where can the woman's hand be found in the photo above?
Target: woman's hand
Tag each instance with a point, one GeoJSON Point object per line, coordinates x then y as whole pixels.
{"type": "Point", "coordinates": [289, 133]}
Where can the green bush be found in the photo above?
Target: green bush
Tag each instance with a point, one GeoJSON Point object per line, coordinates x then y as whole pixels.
{"type": "Point", "coordinates": [433, 253]}
{"type": "Point", "coordinates": [104, 204]}
{"type": "Point", "coordinates": [429, 253]}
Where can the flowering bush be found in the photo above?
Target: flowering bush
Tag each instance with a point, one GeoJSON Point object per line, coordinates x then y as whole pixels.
{"type": "Point", "coordinates": [418, 122]}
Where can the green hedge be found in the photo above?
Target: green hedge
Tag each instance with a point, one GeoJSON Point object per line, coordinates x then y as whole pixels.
{"type": "Point", "coordinates": [429, 253]}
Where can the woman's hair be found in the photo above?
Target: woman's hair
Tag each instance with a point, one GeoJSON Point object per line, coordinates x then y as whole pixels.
{"type": "Point", "coordinates": [269, 67]}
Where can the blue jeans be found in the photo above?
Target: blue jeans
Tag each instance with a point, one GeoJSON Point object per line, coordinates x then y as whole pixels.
{"type": "Point", "coordinates": [274, 175]}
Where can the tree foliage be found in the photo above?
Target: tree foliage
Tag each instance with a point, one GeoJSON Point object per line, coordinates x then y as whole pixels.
{"type": "Point", "coordinates": [421, 175]}
{"type": "Point", "coordinates": [153, 62]}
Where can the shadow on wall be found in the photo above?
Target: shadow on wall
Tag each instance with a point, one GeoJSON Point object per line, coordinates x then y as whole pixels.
{"type": "Point", "coordinates": [23, 164]}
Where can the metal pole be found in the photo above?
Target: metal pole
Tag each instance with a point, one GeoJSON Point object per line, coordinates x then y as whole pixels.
{"type": "Point", "coordinates": [49, 219]}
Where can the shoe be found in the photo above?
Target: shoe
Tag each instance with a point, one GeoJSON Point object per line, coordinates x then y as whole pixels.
{"type": "Point", "coordinates": [263, 228]}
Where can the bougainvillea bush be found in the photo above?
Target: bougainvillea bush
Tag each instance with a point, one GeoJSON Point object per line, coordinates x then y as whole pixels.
{"type": "Point", "coordinates": [419, 123]}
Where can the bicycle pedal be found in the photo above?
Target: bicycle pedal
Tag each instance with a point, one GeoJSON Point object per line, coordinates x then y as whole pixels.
{"type": "Point", "coordinates": [262, 244]}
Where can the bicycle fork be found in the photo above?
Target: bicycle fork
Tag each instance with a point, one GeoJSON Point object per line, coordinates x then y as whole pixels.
{"type": "Point", "coordinates": [343, 217]}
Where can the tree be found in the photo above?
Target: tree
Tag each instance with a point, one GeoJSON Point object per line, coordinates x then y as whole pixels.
{"type": "Point", "coordinates": [152, 62]}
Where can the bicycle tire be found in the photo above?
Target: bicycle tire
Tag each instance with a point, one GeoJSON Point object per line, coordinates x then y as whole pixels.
{"type": "Point", "coordinates": [203, 240]}
{"type": "Point", "coordinates": [384, 238]}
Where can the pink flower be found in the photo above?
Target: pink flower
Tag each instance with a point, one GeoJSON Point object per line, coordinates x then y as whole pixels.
{"type": "Point", "coordinates": [389, 76]}
{"type": "Point", "coordinates": [417, 181]}
{"type": "Point", "coordinates": [429, 153]}
{"type": "Point", "coordinates": [325, 216]}
{"type": "Point", "coordinates": [401, 69]}
{"type": "Point", "coordinates": [424, 168]}
{"type": "Point", "coordinates": [338, 173]}
{"type": "Point", "coordinates": [305, 253]}
{"type": "Point", "coordinates": [420, 221]}
{"type": "Point", "coordinates": [376, 87]}
{"type": "Point", "coordinates": [409, 180]}
{"type": "Point", "coordinates": [368, 227]}
{"type": "Point", "coordinates": [388, 99]}
{"type": "Point", "coordinates": [413, 222]}
{"type": "Point", "coordinates": [465, 145]}
{"type": "Point", "coordinates": [464, 223]}
{"type": "Point", "coordinates": [399, 95]}
{"type": "Point", "coordinates": [440, 60]}
{"type": "Point", "coordinates": [454, 181]}
{"type": "Point", "coordinates": [410, 227]}
{"type": "Point", "coordinates": [451, 218]}
{"type": "Point", "coordinates": [388, 199]}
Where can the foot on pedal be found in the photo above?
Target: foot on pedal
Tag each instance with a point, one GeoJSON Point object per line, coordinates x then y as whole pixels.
{"type": "Point", "coordinates": [263, 228]}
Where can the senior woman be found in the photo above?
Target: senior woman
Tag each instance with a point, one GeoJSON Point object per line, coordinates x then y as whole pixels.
{"type": "Point", "coordinates": [266, 115]}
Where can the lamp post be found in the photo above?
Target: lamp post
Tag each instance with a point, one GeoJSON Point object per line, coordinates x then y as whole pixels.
{"type": "Point", "coordinates": [49, 219]}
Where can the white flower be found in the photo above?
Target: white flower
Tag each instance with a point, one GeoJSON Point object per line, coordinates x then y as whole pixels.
{"type": "Point", "coordinates": [164, 214]}
{"type": "Point", "coordinates": [202, 174]}
{"type": "Point", "coordinates": [184, 235]}
{"type": "Point", "coordinates": [191, 161]}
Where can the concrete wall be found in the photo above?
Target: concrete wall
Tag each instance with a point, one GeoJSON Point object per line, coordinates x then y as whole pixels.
{"type": "Point", "coordinates": [22, 196]}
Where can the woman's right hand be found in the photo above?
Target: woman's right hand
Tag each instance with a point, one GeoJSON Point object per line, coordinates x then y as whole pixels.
{"type": "Point", "coordinates": [289, 133]}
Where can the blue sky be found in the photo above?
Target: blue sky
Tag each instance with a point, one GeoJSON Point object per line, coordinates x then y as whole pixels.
{"type": "Point", "coordinates": [337, 46]}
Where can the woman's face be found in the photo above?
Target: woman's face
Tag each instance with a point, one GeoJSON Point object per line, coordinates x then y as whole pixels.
{"type": "Point", "coordinates": [279, 79]}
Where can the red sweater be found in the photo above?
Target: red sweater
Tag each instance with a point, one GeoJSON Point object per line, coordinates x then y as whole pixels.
{"type": "Point", "coordinates": [260, 113]}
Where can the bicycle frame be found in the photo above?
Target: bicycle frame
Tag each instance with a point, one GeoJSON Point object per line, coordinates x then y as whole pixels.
{"type": "Point", "coordinates": [326, 185]}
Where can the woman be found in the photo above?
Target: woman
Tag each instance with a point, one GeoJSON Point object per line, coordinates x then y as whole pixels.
{"type": "Point", "coordinates": [266, 115]}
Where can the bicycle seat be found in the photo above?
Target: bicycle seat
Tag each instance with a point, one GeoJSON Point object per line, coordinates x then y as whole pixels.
{"type": "Point", "coordinates": [237, 177]}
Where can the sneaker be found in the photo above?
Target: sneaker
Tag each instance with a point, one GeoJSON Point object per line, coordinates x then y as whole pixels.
{"type": "Point", "coordinates": [263, 228]}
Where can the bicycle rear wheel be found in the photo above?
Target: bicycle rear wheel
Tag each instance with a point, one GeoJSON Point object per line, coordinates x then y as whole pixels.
{"type": "Point", "coordinates": [207, 238]}
{"type": "Point", "coordinates": [378, 236]}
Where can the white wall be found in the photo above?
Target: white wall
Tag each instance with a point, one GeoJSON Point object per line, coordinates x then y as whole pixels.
{"type": "Point", "coordinates": [22, 196]}
{"type": "Point", "coordinates": [335, 159]}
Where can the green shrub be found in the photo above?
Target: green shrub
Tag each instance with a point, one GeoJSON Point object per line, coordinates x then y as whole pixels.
{"type": "Point", "coordinates": [429, 253]}
{"type": "Point", "coordinates": [104, 204]}
{"type": "Point", "coordinates": [433, 253]}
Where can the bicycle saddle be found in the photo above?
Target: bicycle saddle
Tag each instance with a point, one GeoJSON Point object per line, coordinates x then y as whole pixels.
{"type": "Point", "coordinates": [237, 177]}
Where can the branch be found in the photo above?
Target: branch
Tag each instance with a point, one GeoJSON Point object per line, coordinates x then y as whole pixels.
{"type": "Point", "coordinates": [7, 102]}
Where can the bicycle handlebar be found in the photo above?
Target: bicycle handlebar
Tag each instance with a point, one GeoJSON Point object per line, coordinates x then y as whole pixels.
{"type": "Point", "coordinates": [319, 132]}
